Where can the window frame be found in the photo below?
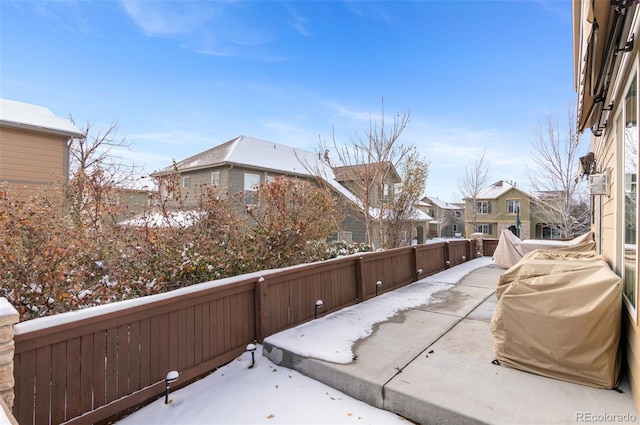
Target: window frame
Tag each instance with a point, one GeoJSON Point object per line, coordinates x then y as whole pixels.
{"type": "Point", "coordinates": [513, 206]}
{"type": "Point", "coordinates": [483, 207]}
{"type": "Point", "coordinates": [215, 181]}
{"type": "Point", "coordinates": [621, 204]}
{"type": "Point", "coordinates": [249, 192]}
{"type": "Point", "coordinates": [186, 181]}
{"type": "Point", "coordinates": [481, 226]}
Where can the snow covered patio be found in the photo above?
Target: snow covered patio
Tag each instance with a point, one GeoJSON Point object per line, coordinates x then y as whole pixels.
{"type": "Point", "coordinates": [423, 352]}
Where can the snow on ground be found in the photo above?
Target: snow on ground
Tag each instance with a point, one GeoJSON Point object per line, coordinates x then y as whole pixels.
{"type": "Point", "coordinates": [270, 394]}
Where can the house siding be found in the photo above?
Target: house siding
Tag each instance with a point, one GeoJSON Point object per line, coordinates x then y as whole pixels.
{"type": "Point", "coordinates": [499, 219]}
{"type": "Point", "coordinates": [30, 160]}
{"type": "Point", "coordinates": [605, 148]}
{"type": "Point", "coordinates": [353, 222]}
{"type": "Point", "coordinates": [608, 221]}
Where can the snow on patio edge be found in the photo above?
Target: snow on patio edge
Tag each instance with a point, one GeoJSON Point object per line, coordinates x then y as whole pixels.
{"type": "Point", "coordinates": [353, 323]}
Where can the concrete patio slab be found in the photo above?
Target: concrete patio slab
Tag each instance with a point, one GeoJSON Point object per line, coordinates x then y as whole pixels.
{"type": "Point", "coordinates": [432, 365]}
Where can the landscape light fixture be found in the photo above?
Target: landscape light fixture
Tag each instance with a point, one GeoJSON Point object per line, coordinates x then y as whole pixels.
{"type": "Point", "coordinates": [464, 258]}
{"type": "Point", "coordinates": [418, 273]}
{"type": "Point", "coordinates": [171, 378]}
{"type": "Point", "coordinates": [378, 285]}
{"type": "Point", "coordinates": [447, 264]}
{"type": "Point", "coordinates": [319, 304]}
{"type": "Point", "coordinates": [252, 349]}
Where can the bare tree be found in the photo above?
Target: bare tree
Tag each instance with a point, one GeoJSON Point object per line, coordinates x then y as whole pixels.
{"type": "Point", "coordinates": [95, 173]}
{"type": "Point", "coordinates": [368, 167]}
{"type": "Point", "coordinates": [402, 214]}
{"type": "Point", "coordinates": [552, 175]}
{"type": "Point", "coordinates": [470, 184]}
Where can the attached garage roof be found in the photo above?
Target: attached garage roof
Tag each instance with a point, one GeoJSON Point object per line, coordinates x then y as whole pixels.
{"type": "Point", "coordinates": [35, 118]}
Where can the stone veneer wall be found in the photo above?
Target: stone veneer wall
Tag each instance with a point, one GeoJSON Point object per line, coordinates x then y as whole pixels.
{"type": "Point", "coordinates": [8, 317]}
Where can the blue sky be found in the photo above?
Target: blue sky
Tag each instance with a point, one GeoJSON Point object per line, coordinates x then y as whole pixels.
{"type": "Point", "coordinates": [183, 76]}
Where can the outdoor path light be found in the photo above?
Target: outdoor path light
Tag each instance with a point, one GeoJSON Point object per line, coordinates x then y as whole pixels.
{"type": "Point", "coordinates": [171, 377]}
{"type": "Point", "coordinates": [252, 349]}
{"type": "Point", "coordinates": [319, 304]}
{"type": "Point", "coordinates": [378, 285]}
{"type": "Point", "coordinates": [418, 273]}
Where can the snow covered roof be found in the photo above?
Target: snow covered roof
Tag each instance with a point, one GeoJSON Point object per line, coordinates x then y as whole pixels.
{"type": "Point", "coordinates": [36, 118]}
{"type": "Point", "coordinates": [421, 215]}
{"type": "Point", "coordinates": [268, 156]}
{"type": "Point", "coordinates": [441, 204]}
{"type": "Point", "coordinates": [251, 152]}
{"type": "Point", "coordinates": [264, 155]}
{"type": "Point", "coordinates": [497, 189]}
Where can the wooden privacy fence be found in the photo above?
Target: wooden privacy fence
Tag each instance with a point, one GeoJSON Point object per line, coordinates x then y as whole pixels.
{"type": "Point", "coordinates": [89, 366]}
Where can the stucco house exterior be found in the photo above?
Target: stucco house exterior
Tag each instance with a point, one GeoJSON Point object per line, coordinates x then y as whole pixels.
{"type": "Point", "coordinates": [498, 207]}
{"type": "Point", "coordinates": [606, 64]}
{"type": "Point", "coordinates": [34, 147]}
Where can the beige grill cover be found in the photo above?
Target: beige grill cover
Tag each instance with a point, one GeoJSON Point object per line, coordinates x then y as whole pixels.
{"type": "Point", "coordinates": [511, 249]}
{"type": "Point", "coordinates": [558, 315]}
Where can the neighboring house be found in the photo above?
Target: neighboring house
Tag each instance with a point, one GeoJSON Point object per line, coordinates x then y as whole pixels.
{"type": "Point", "coordinates": [130, 202]}
{"type": "Point", "coordinates": [448, 218]}
{"type": "Point", "coordinates": [349, 174]}
{"type": "Point", "coordinates": [242, 164]}
{"type": "Point", "coordinates": [498, 207]}
{"type": "Point", "coordinates": [606, 64]}
{"type": "Point", "coordinates": [34, 147]}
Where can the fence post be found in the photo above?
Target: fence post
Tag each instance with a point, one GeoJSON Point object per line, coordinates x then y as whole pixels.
{"type": "Point", "coordinates": [479, 244]}
{"type": "Point", "coordinates": [359, 282]}
{"type": "Point", "coordinates": [447, 256]}
{"type": "Point", "coordinates": [414, 263]}
{"type": "Point", "coordinates": [262, 315]}
{"type": "Point", "coordinates": [8, 317]}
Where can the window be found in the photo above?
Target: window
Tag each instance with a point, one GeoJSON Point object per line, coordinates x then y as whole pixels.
{"type": "Point", "coordinates": [269, 179]}
{"type": "Point", "coordinates": [215, 178]}
{"type": "Point", "coordinates": [484, 229]}
{"type": "Point", "coordinates": [432, 213]}
{"type": "Point", "coordinates": [550, 233]}
{"type": "Point", "coordinates": [458, 214]}
{"type": "Point", "coordinates": [483, 207]}
{"type": "Point", "coordinates": [186, 181]}
{"type": "Point", "coordinates": [630, 196]}
{"type": "Point", "coordinates": [251, 184]}
{"type": "Point", "coordinates": [513, 206]}
{"type": "Point", "coordinates": [385, 191]}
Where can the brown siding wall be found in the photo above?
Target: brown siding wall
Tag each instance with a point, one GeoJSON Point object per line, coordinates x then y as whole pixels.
{"type": "Point", "coordinates": [29, 160]}
{"type": "Point", "coordinates": [31, 157]}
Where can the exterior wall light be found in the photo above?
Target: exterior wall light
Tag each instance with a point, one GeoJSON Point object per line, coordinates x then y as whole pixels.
{"type": "Point", "coordinates": [319, 304]}
{"type": "Point", "coordinates": [378, 285]}
{"type": "Point", "coordinates": [171, 378]}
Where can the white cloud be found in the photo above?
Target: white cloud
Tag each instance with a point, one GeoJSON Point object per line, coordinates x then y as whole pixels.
{"type": "Point", "coordinates": [160, 18]}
